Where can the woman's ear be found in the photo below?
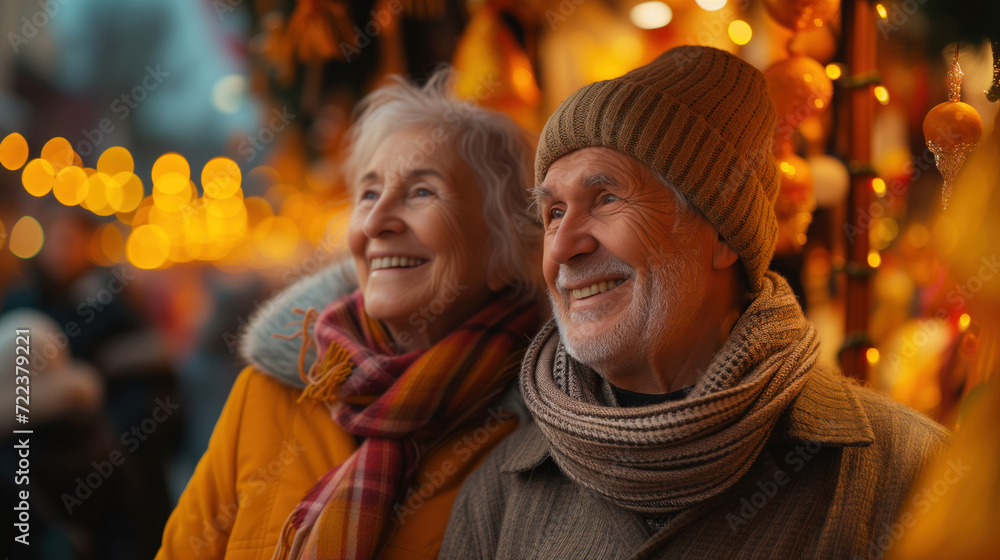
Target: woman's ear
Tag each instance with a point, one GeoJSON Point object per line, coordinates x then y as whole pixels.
{"type": "Point", "coordinates": [723, 256]}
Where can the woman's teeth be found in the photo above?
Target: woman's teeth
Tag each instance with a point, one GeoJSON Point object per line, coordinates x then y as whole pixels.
{"type": "Point", "coordinates": [395, 262]}
{"type": "Point", "coordinates": [595, 289]}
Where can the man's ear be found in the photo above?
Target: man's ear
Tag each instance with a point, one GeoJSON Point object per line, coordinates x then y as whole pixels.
{"type": "Point", "coordinates": [723, 256]}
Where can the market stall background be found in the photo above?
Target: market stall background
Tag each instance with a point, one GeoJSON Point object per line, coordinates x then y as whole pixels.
{"type": "Point", "coordinates": [169, 166]}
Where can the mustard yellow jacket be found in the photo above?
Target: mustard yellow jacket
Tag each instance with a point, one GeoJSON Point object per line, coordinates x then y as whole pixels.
{"type": "Point", "coordinates": [268, 450]}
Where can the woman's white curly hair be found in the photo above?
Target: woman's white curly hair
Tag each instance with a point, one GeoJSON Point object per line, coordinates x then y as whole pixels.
{"type": "Point", "coordinates": [490, 143]}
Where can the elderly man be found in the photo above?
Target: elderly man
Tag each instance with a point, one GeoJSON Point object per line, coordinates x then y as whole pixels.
{"type": "Point", "coordinates": [679, 409]}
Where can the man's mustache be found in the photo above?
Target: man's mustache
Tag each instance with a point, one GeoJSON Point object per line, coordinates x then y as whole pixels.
{"type": "Point", "coordinates": [591, 267]}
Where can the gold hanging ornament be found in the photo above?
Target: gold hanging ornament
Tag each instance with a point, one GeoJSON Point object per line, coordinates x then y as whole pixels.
{"type": "Point", "coordinates": [952, 130]}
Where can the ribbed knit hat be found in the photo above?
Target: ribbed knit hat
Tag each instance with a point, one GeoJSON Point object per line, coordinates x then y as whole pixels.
{"type": "Point", "coordinates": [702, 118]}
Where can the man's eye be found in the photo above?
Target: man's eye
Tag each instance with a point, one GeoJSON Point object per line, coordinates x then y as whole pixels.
{"type": "Point", "coordinates": [556, 213]}
{"type": "Point", "coordinates": [369, 195]}
{"type": "Point", "coordinates": [422, 192]}
{"type": "Point", "coordinates": [609, 198]}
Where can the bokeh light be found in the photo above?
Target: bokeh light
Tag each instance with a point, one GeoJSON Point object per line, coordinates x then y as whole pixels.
{"type": "Point", "coordinates": [878, 185]}
{"type": "Point", "coordinates": [115, 160]}
{"type": "Point", "coordinates": [711, 5]}
{"type": "Point", "coordinates": [147, 247]}
{"type": "Point", "coordinates": [220, 178]}
{"type": "Point", "coordinates": [124, 191]}
{"type": "Point", "coordinates": [38, 177]}
{"type": "Point", "coordinates": [874, 259]}
{"type": "Point", "coordinates": [881, 94]}
{"type": "Point", "coordinates": [964, 321]}
{"type": "Point", "coordinates": [60, 154]}
{"type": "Point", "coordinates": [651, 15]}
{"type": "Point", "coordinates": [26, 237]}
{"type": "Point", "coordinates": [740, 32]}
{"type": "Point", "coordinates": [834, 71]}
{"type": "Point", "coordinates": [872, 356]}
{"type": "Point", "coordinates": [70, 187]}
{"type": "Point", "coordinates": [170, 163]}
{"type": "Point", "coordinates": [276, 238]}
{"type": "Point", "coordinates": [13, 151]}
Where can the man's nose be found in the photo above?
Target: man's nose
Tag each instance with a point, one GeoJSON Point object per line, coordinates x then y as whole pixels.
{"type": "Point", "coordinates": [573, 238]}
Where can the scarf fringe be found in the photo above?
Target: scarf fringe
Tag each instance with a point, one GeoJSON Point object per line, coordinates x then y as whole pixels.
{"type": "Point", "coordinates": [325, 377]}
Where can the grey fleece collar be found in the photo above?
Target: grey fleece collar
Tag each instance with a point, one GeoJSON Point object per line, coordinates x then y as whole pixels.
{"type": "Point", "coordinates": [278, 357]}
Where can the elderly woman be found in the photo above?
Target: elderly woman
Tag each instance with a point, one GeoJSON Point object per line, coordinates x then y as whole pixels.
{"type": "Point", "coordinates": [361, 454]}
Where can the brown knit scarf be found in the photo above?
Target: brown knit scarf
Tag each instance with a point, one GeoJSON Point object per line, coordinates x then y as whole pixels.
{"type": "Point", "coordinates": [663, 458]}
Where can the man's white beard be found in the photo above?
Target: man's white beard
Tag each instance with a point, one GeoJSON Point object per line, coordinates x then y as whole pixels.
{"type": "Point", "coordinates": [642, 325]}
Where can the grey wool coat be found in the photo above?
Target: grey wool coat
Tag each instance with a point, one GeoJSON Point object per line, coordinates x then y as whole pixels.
{"type": "Point", "coordinates": [829, 484]}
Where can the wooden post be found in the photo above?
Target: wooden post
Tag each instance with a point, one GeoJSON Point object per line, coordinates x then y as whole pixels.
{"type": "Point", "coordinates": [860, 42]}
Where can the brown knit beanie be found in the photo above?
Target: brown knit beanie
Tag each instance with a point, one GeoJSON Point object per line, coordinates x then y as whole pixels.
{"type": "Point", "coordinates": [701, 117]}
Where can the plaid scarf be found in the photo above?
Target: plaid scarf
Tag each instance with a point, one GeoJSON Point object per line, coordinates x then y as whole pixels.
{"type": "Point", "coordinates": [400, 405]}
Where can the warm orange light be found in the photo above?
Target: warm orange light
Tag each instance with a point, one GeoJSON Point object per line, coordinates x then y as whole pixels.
{"type": "Point", "coordinates": [26, 237]}
{"type": "Point", "coordinates": [881, 94]}
{"type": "Point", "coordinates": [874, 259]}
{"type": "Point", "coordinates": [220, 178]}
{"type": "Point", "coordinates": [276, 238]}
{"type": "Point", "coordinates": [38, 177]}
{"type": "Point", "coordinates": [964, 321]}
{"type": "Point", "coordinates": [872, 356]}
{"type": "Point", "coordinates": [97, 194]}
{"type": "Point", "coordinates": [124, 191]}
{"type": "Point", "coordinates": [70, 187]}
{"type": "Point", "coordinates": [740, 32]}
{"type": "Point", "coordinates": [13, 151]}
{"type": "Point", "coordinates": [878, 185]}
{"type": "Point", "coordinates": [115, 160]}
{"type": "Point", "coordinates": [112, 242]}
{"type": "Point", "coordinates": [882, 12]}
{"type": "Point", "coordinates": [170, 163]}
{"type": "Point", "coordinates": [147, 247]}
{"type": "Point", "coordinates": [834, 71]}
{"type": "Point", "coordinates": [59, 153]}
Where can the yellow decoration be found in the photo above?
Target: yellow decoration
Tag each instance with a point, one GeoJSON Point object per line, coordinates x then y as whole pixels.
{"type": "Point", "coordinates": [800, 89]}
{"type": "Point", "coordinates": [952, 130]}
{"type": "Point", "coordinates": [493, 70]}
{"type": "Point", "coordinates": [795, 202]}
{"type": "Point", "coordinates": [799, 15]}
